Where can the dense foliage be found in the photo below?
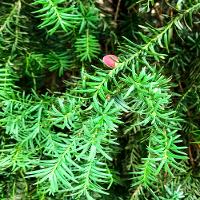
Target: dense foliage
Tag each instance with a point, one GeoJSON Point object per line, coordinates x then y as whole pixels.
{"type": "Point", "coordinates": [74, 128]}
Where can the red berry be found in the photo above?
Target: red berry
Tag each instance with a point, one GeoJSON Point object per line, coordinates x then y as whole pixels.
{"type": "Point", "coordinates": [110, 60]}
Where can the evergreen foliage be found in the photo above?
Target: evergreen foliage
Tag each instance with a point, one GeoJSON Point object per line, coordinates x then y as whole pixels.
{"type": "Point", "coordinates": [73, 128]}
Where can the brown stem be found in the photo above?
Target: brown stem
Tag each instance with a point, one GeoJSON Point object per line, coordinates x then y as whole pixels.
{"type": "Point", "coordinates": [117, 10]}
{"type": "Point", "coordinates": [190, 156]}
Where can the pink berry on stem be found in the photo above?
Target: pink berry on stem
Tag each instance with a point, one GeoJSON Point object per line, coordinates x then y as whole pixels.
{"type": "Point", "coordinates": [110, 60]}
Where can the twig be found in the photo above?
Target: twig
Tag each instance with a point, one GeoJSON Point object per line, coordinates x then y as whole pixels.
{"type": "Point", "coordinates": [190, 156]}
{"type": "Point", "coordinates": [117, 10]}
{"type": "Point", "coordinates": [136, 192]}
